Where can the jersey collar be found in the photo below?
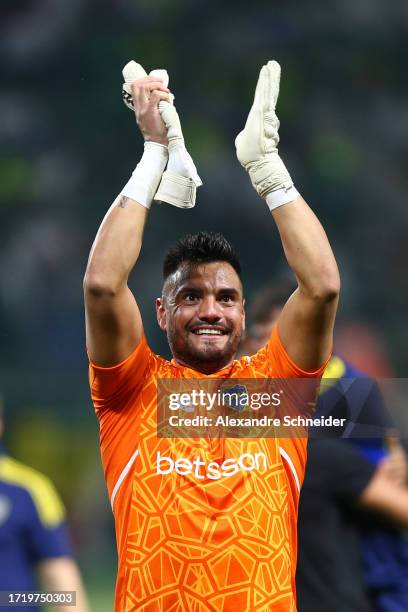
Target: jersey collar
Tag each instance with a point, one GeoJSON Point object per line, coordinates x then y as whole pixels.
{"type": "Point", "coordinates": [223, 373]}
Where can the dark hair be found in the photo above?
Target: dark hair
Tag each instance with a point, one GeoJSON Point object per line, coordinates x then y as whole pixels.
{"type": "Point", "coordinates": [195, 249]}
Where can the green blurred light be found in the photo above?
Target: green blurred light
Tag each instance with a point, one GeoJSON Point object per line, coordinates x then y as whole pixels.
{"type": "Point", "coordinates": [335, 157]}
{"type": "Point", "coordinates": [15, 175]}
{"type": "Point", "coordinates": [202, 139]}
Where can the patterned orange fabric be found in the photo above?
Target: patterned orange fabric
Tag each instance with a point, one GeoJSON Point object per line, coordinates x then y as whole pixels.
{"type": "Point", "coordinates": [186, 542]}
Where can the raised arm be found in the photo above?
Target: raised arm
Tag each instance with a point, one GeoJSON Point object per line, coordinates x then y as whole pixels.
{"type": "Point", "coordinates": [307, 319]}
{"type": "Point", "coordinates": [306, 322]}
{"type": "Point", "coordinates": [113, 322]}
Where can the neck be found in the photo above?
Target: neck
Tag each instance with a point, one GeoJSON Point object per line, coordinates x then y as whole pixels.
{"type": "Point", "coordinates": [204, 368]}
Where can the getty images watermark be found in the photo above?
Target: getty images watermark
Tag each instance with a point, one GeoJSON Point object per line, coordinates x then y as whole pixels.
{"type": "Point", "coordinates": [254, 408]}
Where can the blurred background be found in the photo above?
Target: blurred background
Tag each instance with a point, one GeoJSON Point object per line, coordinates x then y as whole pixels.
{"type": "Point", "coordinates": [69, 145]}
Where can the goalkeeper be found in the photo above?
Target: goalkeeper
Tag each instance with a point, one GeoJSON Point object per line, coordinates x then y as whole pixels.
{"type": "Point", "coordinates": [203, 524]}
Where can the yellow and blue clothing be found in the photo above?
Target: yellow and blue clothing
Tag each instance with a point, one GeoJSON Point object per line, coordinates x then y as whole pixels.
{"type": "Point", "coordinates": [32, 525]}
{"type": "Point", "coordinates": [350, 393]}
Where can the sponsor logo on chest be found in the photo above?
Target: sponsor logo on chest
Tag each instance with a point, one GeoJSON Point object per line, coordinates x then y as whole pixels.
{"type": "Point", "coordinates": [212, 470]}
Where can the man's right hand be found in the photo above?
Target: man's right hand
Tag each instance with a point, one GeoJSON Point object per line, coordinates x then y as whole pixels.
{"type": "Point", "coordinates": [147, 93]}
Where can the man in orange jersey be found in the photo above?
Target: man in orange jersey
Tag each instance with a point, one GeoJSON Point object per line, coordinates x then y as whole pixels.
{"type": "Point", "coordinates": [205, 524]}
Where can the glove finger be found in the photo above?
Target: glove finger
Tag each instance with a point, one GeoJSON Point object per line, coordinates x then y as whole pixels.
{"type": "Point", "coordinates": [193, 170]}
{"type": "Point", "coordinates": [169, 115]}
{"type": "Point", "coordinates": [133, 71]}
{"type": "Point", "coordinates": [161, 74]}
{"type": "Point", "coordinates": [260, 87]}
{"type": "Point", "coordinates": [272, 72]}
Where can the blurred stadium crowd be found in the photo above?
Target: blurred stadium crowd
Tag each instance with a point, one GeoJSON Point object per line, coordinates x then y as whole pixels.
{"type": "Point", "coordinates": [69, 145]}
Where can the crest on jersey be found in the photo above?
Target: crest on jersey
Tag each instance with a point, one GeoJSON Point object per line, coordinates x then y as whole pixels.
{"type": "Point", "coordinates": [235, 397]}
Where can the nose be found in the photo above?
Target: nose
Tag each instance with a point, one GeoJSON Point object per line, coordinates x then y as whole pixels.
{"type": "Point", "coordinates": [209, 309]}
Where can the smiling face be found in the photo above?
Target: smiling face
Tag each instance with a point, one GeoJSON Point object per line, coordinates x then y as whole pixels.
{"type": "Point", "coordinates": [202, 312]}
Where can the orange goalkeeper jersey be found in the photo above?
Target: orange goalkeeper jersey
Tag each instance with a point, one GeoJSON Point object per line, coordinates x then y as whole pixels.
{"type": "Point", "coordinates": [188, 542]}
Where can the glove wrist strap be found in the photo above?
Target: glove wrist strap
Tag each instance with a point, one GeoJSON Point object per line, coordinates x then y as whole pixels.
{"type": "Point", "coordinates": [177, 190]}
{"type": "Point", "coordinates": [282, 195]}
{"type": "Point", "coordinates": [181, 163]}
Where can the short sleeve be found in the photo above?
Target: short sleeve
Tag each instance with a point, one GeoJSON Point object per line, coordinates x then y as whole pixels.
{"type": "Point", "coordinates": [282, 365]}
{"type": "Point", "coordinates": [111, 387]}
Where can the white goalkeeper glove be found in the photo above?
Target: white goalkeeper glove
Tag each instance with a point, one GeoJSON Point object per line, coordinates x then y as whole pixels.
{"type": "Point", "coordinates": [133, 72]}
{"type": "Point", "coordinates": [257, 144]}
{"type": "Point", "coordinates": [147, 175]}
{"type": "Point", "coordinates": [180, 180]}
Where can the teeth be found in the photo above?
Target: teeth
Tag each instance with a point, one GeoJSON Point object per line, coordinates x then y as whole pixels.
{"type": "Point", "coordinates": [214, 332]}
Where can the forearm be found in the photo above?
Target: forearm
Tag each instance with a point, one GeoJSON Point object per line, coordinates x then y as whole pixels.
{"type": "Point", "coordinates": [62, 574]}
{"type": "Point", "coordinates": [117, 246]}
{"type": "Point", "coordinates": [307, 250]}
{"type": "Point", "coordinates": [383, 495]}
{"type": "Point", "coordinates": [119, 239]}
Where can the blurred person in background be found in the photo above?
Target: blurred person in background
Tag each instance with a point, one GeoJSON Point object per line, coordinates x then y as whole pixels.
{"type": "Point", "coordinates": [35, 551]}
{"type": "Point", "coordinates": [187, 540]}
{"type": "Point", "coordinates": [353, 555]}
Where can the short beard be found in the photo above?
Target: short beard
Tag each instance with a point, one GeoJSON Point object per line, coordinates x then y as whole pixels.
{"type": "Point", "coordinates": [208, 360]}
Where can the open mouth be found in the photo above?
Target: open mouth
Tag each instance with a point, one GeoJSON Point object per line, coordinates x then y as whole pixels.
{"type": "Point", "coordinates": [208, 331]}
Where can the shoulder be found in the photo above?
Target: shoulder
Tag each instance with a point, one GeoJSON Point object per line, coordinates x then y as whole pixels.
{"type": "Point", "coordinates": [113, 386]}
{"type": "Point", "coordinates": [249, 366]}
{"type": "Point", "coordinates": [39, 488]}
{"type": "Point", "coordinates": [267, 361]}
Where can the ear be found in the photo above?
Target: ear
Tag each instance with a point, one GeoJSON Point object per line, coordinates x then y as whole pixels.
{"type": "Point", "coordinates": [243, 314]}
{"type": "Point", "coordinates": [161, 314]}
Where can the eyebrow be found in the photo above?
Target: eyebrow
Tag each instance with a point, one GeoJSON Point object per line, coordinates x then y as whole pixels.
{"type": "Point", "coordinates": [231, 291]}
{"type": "Point", "coordinates": [188, 289]}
